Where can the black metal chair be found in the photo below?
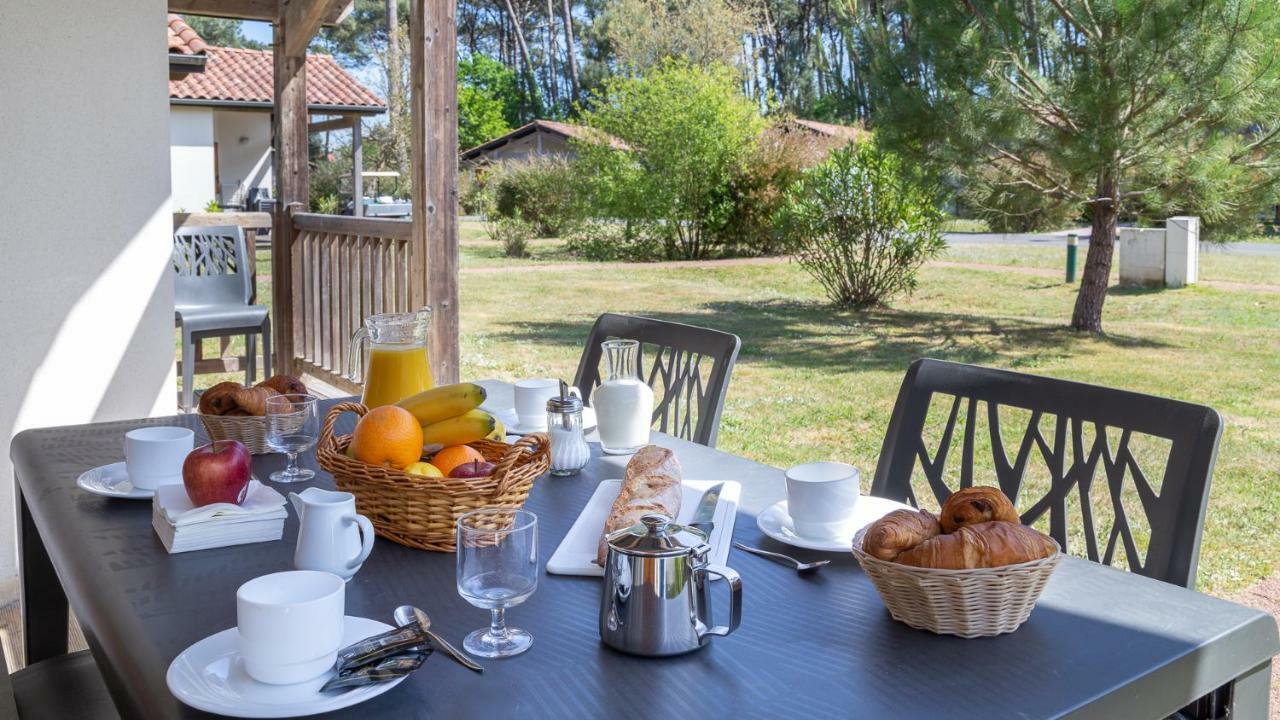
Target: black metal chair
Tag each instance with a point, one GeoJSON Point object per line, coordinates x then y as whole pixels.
{"type": "Point", "coordinates": [60, 688]}
{"type": "Point", "coordinates": [1169, 512]}
{"type": "Point", "coordinates": [685, 405]}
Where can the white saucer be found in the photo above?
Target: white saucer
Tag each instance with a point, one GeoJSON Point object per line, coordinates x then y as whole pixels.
{"type": "Point", "coordinates": [210, 676]}
{"type": "Point", "coordinates": [512, 422]}
{"type": "Point", "coordinates": [776, 523]}
{"type": "Point", "coordinates": [112, 481]}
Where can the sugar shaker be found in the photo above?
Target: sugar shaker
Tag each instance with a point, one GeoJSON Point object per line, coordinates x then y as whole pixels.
{"type": "Point", "coordinates": [569, 451]}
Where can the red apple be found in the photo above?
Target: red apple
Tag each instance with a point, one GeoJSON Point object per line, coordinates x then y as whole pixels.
{"type": "Point", "coordinates": [473, 469]}
{"type": "Point", "coordinates": [217, 472]}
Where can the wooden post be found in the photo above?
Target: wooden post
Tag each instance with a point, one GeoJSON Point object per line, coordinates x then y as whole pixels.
{"type": "Point", "coordinates": [433, 250]}
{"type": "Point", "coordinates": [289, 133]}
{"type": "Point", "coordinates": [357, 168]}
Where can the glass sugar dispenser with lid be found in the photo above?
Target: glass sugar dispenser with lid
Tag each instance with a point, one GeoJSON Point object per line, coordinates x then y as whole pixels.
{"type": "Point", "coordinates": [569, 451]}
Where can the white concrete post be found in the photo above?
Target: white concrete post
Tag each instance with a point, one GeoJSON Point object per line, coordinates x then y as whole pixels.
{"type": "Point", "coordinates": [1181, 251]}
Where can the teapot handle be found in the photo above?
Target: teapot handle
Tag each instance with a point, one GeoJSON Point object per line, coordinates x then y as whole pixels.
{"type": "Point", "coordinates": [735, 599]}
{"type": "Point", "coordinates": [366, 541]}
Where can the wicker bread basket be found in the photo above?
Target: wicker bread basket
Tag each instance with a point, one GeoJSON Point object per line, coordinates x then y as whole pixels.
{"type": "Point", "coordinates": [421, 512]}
{"type": "Point", "coordinates": [968, 603]}
{"type": "Point", "coordinates": [248, 429]}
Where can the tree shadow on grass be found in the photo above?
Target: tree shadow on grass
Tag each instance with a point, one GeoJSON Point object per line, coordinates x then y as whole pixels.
{"type": "Point", "coordinates": [816, 336]}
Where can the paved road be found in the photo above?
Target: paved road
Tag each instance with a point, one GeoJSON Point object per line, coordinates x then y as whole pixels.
{"type": "Point", "coordinates": [1059, 239]}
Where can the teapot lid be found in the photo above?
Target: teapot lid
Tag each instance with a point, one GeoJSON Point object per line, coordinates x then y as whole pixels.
{"type": "Point", "coordinates": [657, 536]}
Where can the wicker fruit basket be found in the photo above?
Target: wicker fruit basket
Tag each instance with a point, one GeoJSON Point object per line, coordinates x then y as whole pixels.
{"type": "Point", "coordinates": [968, 603]}
{"type": "Point", "coordinates": [421, 512]}
{"type": "Point", "coordinates": [250, 430]}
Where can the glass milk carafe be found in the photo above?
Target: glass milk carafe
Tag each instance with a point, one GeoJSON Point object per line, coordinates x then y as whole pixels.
{"type": "Point", "coordinates": [395, 366]}
{"type": "Point", "coordinates": [623, 402]}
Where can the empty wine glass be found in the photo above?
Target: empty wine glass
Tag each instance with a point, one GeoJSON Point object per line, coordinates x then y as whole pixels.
{"type": "Point", "coordinates": [497, 569]}
{"type": "Point", "coordinates": [292, 427]}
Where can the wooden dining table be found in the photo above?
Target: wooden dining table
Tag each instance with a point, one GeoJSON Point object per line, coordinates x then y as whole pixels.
{"type": "Point", "coordinates": [1101, 643]}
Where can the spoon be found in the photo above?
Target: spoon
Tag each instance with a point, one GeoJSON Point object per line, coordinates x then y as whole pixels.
{"type": "Point", "coordinates": [406, 614]}
{"type": "Point", "coordinates": [801, 567]}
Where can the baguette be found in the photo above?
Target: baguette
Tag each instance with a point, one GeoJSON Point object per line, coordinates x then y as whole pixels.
{"type": "Point", "coordinates": [650, 484]}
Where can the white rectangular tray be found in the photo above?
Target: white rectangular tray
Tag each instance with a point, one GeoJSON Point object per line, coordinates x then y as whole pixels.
{"type": "Point", "coordinates": [577, 552]}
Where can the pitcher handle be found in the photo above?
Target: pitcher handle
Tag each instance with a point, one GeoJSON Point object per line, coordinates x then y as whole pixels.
{"type": "Point", "coordinates": [366, 541]}
{"type": "Point", "coordinates": [355, 358]}
{"type": "Point", "coordinates": [735, 598]}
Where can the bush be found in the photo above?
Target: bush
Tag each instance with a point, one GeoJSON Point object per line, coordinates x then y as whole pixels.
{"type": "Point", "coordinates": [212, 207]}
{"type": "Point", "coordinates": [862, 225]}
{"type": "Point", "coordinates": [613, 241]}
{"type": "Point", "coordinates": [514, 234]}
{"type": "Point", "coordinates": [327, 204]}
{"type": "Point", "coordinates": [757, 191]}
{"type": "Point", "coordinates": [471, 191]}
{"type": "Point", "coordinates": [541, 191]}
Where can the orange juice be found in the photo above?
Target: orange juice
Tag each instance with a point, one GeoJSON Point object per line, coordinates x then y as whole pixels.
{"type": "Point", "coordinates": [394, 372]}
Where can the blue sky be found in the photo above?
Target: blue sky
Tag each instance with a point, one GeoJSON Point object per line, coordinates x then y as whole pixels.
{"type": "Point", "coordinates": [255, 30]}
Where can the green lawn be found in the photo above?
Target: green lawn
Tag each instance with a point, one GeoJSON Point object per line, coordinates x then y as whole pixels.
{"type": "Point", "coordinates": [816, 383]}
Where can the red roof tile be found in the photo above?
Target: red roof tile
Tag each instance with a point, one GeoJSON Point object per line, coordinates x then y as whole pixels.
{"type": "Point", "coordinates": [234, 74]}
{"type": "Point", "coordinates": [182, 39]}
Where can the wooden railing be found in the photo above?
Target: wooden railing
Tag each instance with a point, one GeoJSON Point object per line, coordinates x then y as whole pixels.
{"type": "Point", "coordinates": [342, 270]}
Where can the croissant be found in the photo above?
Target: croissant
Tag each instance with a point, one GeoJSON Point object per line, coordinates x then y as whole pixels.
{"type": "Point", "coordinates": [984, 545]}
{"type": "Point", "coordinates": [219, 399]}
{"type": "Point", "coordinates": [253, 401]}
{"type": "Point", "coordinates": [974, 505]}
{"type": "Point", "coordinates": [899, 530]}
{"type": "Point", "coordinates": [284, 384]}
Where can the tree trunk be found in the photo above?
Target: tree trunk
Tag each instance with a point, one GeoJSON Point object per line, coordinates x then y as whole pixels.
{"type": "Point", "coordinates": [530, 77]}
{"type": "Point", "coordinates": [1097, 264]}
{"type": "Point", "coordinates": [395, 90]}
{"type": "Point", "coordinates": [569, 49]}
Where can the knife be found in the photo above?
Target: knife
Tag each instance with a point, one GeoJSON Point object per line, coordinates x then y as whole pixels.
{"type": "Point", "coordinates": [462, 659]}
{"type": "Point", "coordinates": [706, 510]}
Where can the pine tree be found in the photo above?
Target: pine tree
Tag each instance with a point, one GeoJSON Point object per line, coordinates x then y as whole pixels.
{"type": "Point", "coordinates": [1105, 103]}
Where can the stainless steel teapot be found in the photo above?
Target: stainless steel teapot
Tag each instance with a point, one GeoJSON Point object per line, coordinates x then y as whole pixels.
{"type": "Point", "coordinates": [657, 589]}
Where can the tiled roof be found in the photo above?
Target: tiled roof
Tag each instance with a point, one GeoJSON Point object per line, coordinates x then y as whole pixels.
{"type": "Point", "coordinates": [239, 75]}
{"type": "Point", "coordinates": [182, 39]}
{"type": "Point", "coordinates": [575, 132]}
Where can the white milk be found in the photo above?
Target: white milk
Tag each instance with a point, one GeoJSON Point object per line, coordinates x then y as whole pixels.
{"type": "Point", "coordinates": [624, 410]}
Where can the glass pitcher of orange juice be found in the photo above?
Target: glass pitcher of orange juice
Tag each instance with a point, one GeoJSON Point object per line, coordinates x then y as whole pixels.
{"type": "Point", "coordinates": [395, 365]}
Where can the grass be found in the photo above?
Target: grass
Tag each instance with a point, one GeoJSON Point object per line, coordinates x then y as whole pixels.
{"type": "Point", "coordinates": [815, 383]}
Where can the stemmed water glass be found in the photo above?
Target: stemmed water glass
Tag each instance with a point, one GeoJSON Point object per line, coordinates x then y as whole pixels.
{"type": "Point", "coordinates": [497, 569]}
{"type": "Point", "coordinates": [293, 427]}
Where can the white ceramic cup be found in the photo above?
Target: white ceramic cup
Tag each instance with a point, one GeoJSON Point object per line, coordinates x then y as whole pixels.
{"type": "Point", "coordinates": [290, 625]}
{"type": "Point", "coordinates": [154, 455]}
{"type": "Point", "coordinates": [531, 400]}
{"type": "Point", "coordinates": [821, 497]}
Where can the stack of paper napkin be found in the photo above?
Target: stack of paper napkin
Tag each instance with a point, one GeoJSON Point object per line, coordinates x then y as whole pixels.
{"type": "Point", "coordinates": [183, 527]}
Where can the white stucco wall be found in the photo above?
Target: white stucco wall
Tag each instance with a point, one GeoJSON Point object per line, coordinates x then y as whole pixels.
{"type": "Point", "coordinates": [244, 152]}
{"type": "Point", "coordinates": [86, 293]}
{"type": "Point", "coordinates": [191, 157]}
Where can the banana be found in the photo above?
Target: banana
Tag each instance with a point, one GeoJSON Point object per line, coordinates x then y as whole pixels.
{"type": "Point", "coordinates": [444, 402]}
{"type": "Point", "coordinates": [499, 431]}
{"type": "Point", "coordinates": [468, 427]}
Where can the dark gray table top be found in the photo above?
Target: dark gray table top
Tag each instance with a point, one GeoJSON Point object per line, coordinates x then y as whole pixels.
{"type": "Point", "coordinates": [1101, 643]}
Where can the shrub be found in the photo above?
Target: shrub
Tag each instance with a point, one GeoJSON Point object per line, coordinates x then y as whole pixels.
{"type": "Point", "coordinates": [757, 191]}
{"type": "Point", "coordinates": [471, 191]}
{"type": "Point", "coordinates": [688, 130]}
{"type": "Point", "coordinates": [862, 225]}
{"type": "Point", "coordinates": [540, 191]}
{"type": "Point", "coordinates": [514, 234]}
{"type": "Point", "coordinates": [327, 204]}
{"type": "Point", "coordinates": [212, 207]}
{"type": "Point", "coordinates": [602, 240]}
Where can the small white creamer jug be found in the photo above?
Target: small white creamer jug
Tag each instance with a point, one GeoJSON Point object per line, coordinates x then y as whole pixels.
{"type": "Point", "coordinates": [331, 536]}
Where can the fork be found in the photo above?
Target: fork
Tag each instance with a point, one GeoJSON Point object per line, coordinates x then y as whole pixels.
{"type": "Point", "coordinates": [800, 567]}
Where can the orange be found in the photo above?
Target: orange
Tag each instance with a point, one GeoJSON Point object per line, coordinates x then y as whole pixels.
{"type": "Point", "coordinates": [388, 435]}
{"type": "Point", "coordinates": [453, 456]}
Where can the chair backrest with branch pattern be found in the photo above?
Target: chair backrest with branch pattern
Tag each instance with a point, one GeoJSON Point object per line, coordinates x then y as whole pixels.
{"type": "Point", "coordinates": [688, 368]}
{"type": "Point", "coordinates": [1061, 435]}
{"type": "Point", "coordinates": [211, 266]}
